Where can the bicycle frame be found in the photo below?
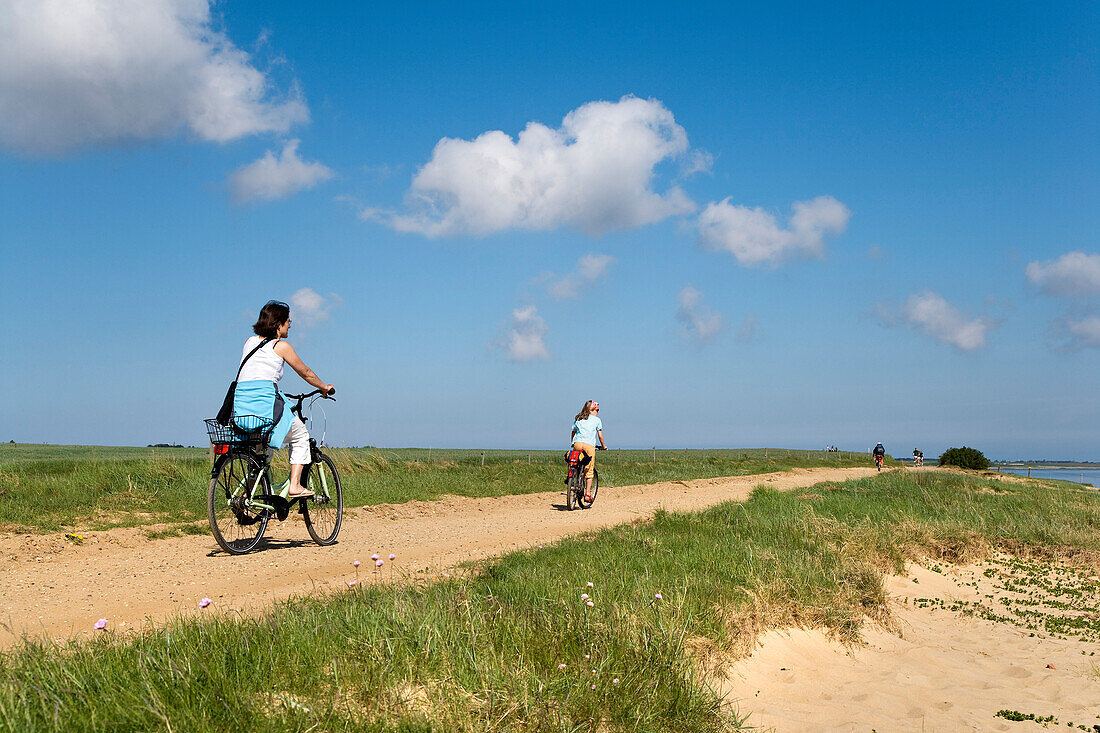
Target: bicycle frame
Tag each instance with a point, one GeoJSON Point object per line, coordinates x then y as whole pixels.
{"type": "Point", "coordinates": [282, 490]}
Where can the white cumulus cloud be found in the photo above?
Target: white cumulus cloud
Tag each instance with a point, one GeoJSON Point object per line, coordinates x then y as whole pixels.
{"type": "Point", "coordinates": [932, 315]}
{"type": "Point", "coordinates": [755, 237]}
{"type": "Point", "coordinates": [1072, 274]}
{"type": "Point", "coordinates": [273, 177]}
{"type": "Point", "coordinates": [697, 321]}
{"type": "Point", "coordinates": [310, 308]}
{"type": "Point", "coordinates": [594, 173]}
{"type": "Point", "coordinates": [75, 73]}
{"type": "Point", "coordinates": [526, 337]}
{"type": "Point", "coordinates": [589, 269]}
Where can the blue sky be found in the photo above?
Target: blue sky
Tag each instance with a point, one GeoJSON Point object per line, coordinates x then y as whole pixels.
{"type": "Point", "coordinates": [732, 225]}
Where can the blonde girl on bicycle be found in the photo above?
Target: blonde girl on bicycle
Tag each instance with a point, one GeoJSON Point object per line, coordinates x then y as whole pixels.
{"type": "Point", "coordinates": [587, 426]}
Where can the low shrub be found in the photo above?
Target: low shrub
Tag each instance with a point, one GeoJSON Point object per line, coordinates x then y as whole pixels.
{"type": "Point", "coordinates": [964, 457]}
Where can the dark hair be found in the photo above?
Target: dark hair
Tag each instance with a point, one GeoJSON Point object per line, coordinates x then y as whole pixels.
{"type": "Point", "coordinates": [274, 314]}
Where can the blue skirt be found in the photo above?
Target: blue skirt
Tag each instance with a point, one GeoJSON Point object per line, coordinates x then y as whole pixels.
{"type": "Point", "coordinates": [257, 397]}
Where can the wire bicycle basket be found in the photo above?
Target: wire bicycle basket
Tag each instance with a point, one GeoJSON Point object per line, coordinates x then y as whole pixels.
{"type": "Point", "coordinates": [242, 430]}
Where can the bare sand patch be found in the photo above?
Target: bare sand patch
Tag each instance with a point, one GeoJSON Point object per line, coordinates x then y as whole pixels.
{"type": "Point", "coordinates": [966, 643]}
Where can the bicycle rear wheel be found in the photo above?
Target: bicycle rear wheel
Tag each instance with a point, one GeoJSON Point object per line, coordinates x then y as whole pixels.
{"type": "Point", "coordinates": [235, 523]}
{"type": "Point", "coordinates": [324, 510]}
{"type": "Point", "coordinates": [595, 487]}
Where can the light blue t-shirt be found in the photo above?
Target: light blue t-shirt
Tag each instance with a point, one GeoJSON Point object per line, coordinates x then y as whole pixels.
{"type": "Point", "coordinates": [586, 430]}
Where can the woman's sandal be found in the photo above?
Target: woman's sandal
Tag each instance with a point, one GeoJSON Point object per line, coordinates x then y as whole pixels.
{"type": "Point", "coordinates": [303, 494]}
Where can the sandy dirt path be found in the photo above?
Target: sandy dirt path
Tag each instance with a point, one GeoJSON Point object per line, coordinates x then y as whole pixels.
{"type": "Point", "coordinates": [55, 588]}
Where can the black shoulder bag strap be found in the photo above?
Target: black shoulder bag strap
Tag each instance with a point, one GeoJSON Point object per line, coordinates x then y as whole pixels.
{"type": "Point", "coordinates": [227, 404]}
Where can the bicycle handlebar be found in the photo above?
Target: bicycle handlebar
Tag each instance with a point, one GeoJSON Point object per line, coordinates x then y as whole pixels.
{"type": "Point", "coordinates": [301, 397]}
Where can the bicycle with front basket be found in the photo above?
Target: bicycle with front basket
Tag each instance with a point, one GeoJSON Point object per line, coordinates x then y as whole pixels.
{"type": "Point", "coordinates": [241, 499]}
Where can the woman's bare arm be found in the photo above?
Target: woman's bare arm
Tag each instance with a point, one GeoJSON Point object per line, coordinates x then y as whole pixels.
{"type": "Point", "coordinates": [290, 356]}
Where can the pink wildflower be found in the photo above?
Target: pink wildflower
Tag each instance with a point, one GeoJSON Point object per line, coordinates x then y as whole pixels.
{"type": "Point", "coordinates": [590, 604]}
{"type": "Point", "coordinates": [615, 681]}
{"type": "Point", "coordinates": [587, 656]}
{"type": "Point", "coordinates": [584, 596]}
{"type": "Point", "coordinates": [590, 584]}
{"type": "Point", "coordinates": [561, 666]}
{"type": "Point", "coordinates": [101, 624]}
{"type": "Point", "coordinates": [351, 583]}
{"type": "Point", "coordinates": [393, 556]}
{"type": "Point", "coordinates": [658, 596]}
{"type": "Point", "coordinates": [379, 563]}
{"type": "Point", "coordinates": [374, 556]}
{"type": "Point", "coordinates": [356, 563]}
{"type": "Point", "coordinates": [205, 602]}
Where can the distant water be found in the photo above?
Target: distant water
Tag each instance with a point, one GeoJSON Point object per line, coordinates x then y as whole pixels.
{"type": "Point", "coordinates": [1090, 476]}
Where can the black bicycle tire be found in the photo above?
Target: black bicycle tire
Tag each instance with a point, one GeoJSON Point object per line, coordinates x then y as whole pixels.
{"type": "Point", "coordinates": [576, 487]}
{"type": "Point", "coordinates": [339, 503]}
{"type": "Point", "coordinates": [235, 548]}
{"type": "Point", "coordinates": [595, 487]}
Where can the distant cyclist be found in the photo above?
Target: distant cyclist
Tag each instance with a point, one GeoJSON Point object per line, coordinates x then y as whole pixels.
{"type": "Point", "coordinates": [879, 453]}
{"type": "Point", "coordinates": [257, 392]}
{"type": "Point", "coordinates": [587, 426]}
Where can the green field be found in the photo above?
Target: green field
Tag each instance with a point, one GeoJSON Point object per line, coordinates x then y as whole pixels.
{"type": "Point", "coordinates": [71, 488]}
{"type": "Point", "coordinates": [482, 652]}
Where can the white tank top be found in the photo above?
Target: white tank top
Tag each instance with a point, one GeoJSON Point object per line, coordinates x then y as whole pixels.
{"type": "Point", "coordinates": [265, 364]}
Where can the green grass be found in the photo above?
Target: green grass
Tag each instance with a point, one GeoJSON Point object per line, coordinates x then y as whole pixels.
{"type": "Point", "coordinates": [481, 652]}
{"type": "Point", "coordinates": [62, 488]}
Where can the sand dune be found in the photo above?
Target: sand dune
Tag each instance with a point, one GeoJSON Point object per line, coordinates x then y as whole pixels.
{"type": "Point", "coordinates": [938, 670]}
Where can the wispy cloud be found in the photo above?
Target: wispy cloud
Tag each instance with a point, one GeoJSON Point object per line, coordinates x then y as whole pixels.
{"type": "Point", "coordinates": [698, 322]}
{"type": "Point", "coordinates": [755, 237]}
{"type": "Point", "coordinates": [526, 335]}
{"type": "Point", "coordinates": [594, 173]}
{"type": "Point", "coordinates": [1084, 332]}
{"type": "Point", "coordinates": [309, 308]}
{"type": "Point", "coordinates": [271, 177]}
{"type": "Point", "coordinates": [589, 269]}
{"type": "Point", "coordinates": [747, 331]}
{"type": "Point", "coordinates": [1072, 274]}
{"type": "Point", "coordinates": [98, 72]}
{"type": "Point", "coordinates": [932, 315]}
{"type": "Point", "coordinates": [696, 162]}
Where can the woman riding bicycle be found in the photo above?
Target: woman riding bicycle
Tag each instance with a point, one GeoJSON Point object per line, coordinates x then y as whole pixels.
{"type": "Point", "coordinates": [587, 426]}
{"type": "Point", "coordinates": [257, 387]}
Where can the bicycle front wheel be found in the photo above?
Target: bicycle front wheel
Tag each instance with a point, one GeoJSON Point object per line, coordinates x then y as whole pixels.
{"type": "Point", "coordinates": [324, 510]}
{"type": "Point", "coordinates": [235, 523]}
